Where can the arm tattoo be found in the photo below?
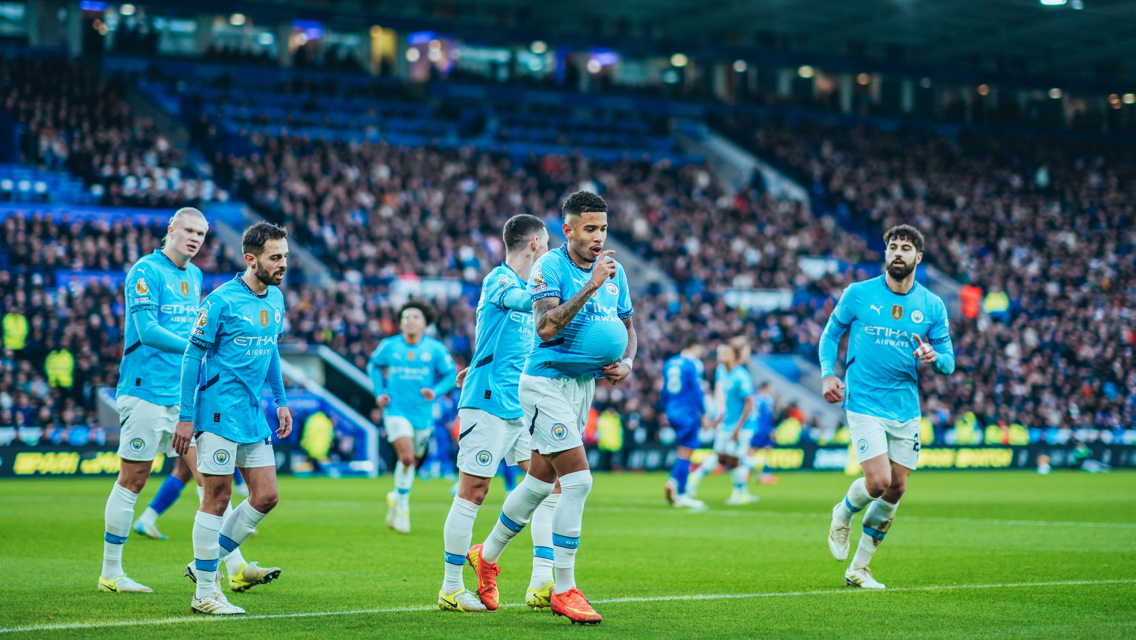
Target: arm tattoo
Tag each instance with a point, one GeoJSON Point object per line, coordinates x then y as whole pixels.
{"type": "Point", "coordinates": [547, 313]}
{"type": "Point", "coordinates": [632, 340]}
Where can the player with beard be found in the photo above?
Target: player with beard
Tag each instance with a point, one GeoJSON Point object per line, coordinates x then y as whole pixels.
{"type": "Point", "coordinates": [232, 352]}
{"type": "Point", "coordinates": [895, 325]}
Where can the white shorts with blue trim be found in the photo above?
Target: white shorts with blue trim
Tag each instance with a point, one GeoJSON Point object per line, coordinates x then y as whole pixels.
{"type": "Point", "coordinates": [484, 440]}
{"type": "Point", "coordinates": [218, 456]}
{"type": "Point", "coordinates": [147, 429]}
{"type": "Point", "coordinates": [556, 411]}
{"type": "Point", "coordinates": [400, 427]}
{"type": "Point", "coordinates": [872, 437]}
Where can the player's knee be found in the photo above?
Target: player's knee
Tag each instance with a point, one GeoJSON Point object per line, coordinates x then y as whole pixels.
{"type": "Point", "coordinates": [265, 503]}
{"type": "Point", "coordinates": [578, 484]}
{"type": "Point", "coordinates": [406, 459]}
{"type": "Point", "coordinates": [876, 486]}
{"type": "Point", "coordinates": [895, 491]}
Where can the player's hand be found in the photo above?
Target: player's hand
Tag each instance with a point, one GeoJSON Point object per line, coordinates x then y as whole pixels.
{"type": "Point", "coordinates": [603, 270]}
{"type": "Point", "coordinates": [382, 401]}
{"type": "Point", "coordinates": [428, 394]}
{"type": "Point", "coordinates": [460, 380]}
{"type": "Point", "coordinates": [734, 435]}
{"type": "Point", "coordinates": [924, 352]}
{"type": "Point", "coordinates": [183, 433]}
{"type": "Point", "coordinates": [833, 390]}
{"type": "Point", "coordinates": [285, 418]}
{"type": "Point", "coordinates": [707, 422]}
{"type": "Point", "coordinates": [616, 373]}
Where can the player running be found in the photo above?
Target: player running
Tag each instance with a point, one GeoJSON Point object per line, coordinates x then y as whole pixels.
{"type": "Point", "coordinates": [734, 389]}
{"type": "Point", "coordinates": [418, 369]}
{"type": "Point", "coordinates": [492, 429]}
{"type": "Point", "coordinates": [896, 324]}
{"type": "Point", "coordinates": [232, 352]}
{"type": "Point", "coordinates": [582, 313]}
{"type": "Point", "coordinates": [162, 292]}
{"type": "Point", "coordinates": [685, 407]}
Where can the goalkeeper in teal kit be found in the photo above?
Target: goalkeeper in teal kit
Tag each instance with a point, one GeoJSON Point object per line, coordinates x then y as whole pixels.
{"type": "Point", "coordinates": [894, 326]}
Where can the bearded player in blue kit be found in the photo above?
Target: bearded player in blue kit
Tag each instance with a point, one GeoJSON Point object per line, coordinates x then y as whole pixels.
{"type": "Point", "coordinates": [417, 369]}
{"type": "Point", "coordinates": [895, 324]}
{"type": "Point", "coordinates": [232, 352]}
{"type": "Point", "coordinates": [492, 430]}
{"type": "Point", "coordinates": [582, 315]}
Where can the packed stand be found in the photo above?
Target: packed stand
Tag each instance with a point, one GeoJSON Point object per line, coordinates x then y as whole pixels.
{"type": "Point", "coordinates": [75, 120]}
{"type": "Point", "coordinates": [1038, 229]}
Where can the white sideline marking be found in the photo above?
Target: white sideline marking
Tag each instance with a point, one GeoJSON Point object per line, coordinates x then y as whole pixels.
{"type": "Point", "coordinates": [722, 596]}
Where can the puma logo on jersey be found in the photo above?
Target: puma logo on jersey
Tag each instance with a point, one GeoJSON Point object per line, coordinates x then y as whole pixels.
{"type": "Point", "coordinates": [878, 310]}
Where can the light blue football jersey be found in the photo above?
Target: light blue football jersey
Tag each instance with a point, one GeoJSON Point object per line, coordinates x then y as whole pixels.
{"type": "Point", "coordinates": [738, 385]}
{"type": "Point", "coordinates": [410, 368]}
{"type": "Point", "coordinates": [239, 331]}
{"type": "Point", "coordinates": [155, 283]}
{"type": "Point", "coordinates": [596, 337]}
{"type": "Point", "coordinates": [682, 387]}
{"type": "Point", "coordinates": [502, 342]}
{"type": "Point", "coordinates": [882, 377]}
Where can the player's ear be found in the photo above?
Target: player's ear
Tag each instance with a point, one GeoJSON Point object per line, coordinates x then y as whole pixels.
{"type": "Point", "coordinates": [918, 258]}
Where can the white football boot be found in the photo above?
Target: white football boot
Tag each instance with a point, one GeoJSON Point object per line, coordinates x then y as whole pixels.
{"type": "Point", "coordinates": [861, 577]}
{"type": "Point", "coordinates": [214, 603]}
{"type": "Point", "coordinates": [838, 538]}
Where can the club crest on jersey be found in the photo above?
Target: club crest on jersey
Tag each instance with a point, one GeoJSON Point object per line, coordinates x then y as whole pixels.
{"type": "Point", "coordinates": [484, 458]}
{"type": "Point", "coordinates": [896, 311]}
{"type": "Point", "coordinates": [612, 289]}
{"type": "Point", "coordinates": [278, 316]}
{"type": "Point", "coordinates": [411, 356]}
{"type": "Point", "coordinates": [137, 445]}
{"type": "Point", "coordinates": [264, 317]}
{"type": "Point", "coordinates": [917, 316]}
{"type": "Point", "coordinates": [221, 457]}
{"type": "Point", "coordinates": [426, 357]}
{"type": "Point", "coordinates": [141, 287]}
{"type": "Point", "coordinates": [559, 431]}
{"type": "Point", "coordinates": [862, 446]}
{"type": "Point", "coordinates": [185, 288]}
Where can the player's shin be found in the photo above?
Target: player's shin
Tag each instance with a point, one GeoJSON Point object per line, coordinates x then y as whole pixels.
{"type": "Point", "coordinates": [403, 481]}
{"type": "Point", "coordinates": [566, 523]}
{"type": "Point", "coordinates": [854, 502]}
{"type": "Point", "coordinates": [542, 541]}
{"type": "Point", "coordinates": [681, 473]}
{"type": "Point", "coordinates": [167, 494]}
{"type": "Point", "coordinates": [877, 521]}
{"type": "Point", "coordinates": [515, 514]}
{"type": "Point", "coordinates": [239, 524]}
{"type": "Point", "coordinates": [709, 463]}
{"type": "Point", "coordinates": [741, 478]}
{"type": "Point", "coordinates": [457, 536]}
{"type": "Point", "coordinates": [206, 551]}
{"type": "Point", "coordinates": [119, 514]}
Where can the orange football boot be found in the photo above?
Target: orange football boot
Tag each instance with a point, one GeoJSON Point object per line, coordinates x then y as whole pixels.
{"type": "Point", "coordinates": [486, 573]}
{"type": "Point", "coordinates": [573, 605]}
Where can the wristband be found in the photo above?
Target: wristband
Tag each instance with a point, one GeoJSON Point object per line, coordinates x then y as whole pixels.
{"type": "Point", "coordinates": [627, 361]}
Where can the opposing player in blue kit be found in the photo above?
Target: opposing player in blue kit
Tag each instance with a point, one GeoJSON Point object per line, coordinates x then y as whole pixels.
{"type": "Point", "coordinates": [232, 352]}
{"type": "Point", "coordinates": [418, 369]}
{"type": "Point", "coordinates": [763, 433]}
{"type": "Point", "coordinates": [162, 292]}
{"type": "Point", "coordinates": [895, 324]}
{"type": "Point", "coordinates": [582, 316]}
{"type": "Point", "coordinates": [492, 431]}
{"type": "Point", "coordinates": [685, 407]}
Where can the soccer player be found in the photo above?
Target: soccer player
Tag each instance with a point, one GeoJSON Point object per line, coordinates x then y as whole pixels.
{"type": "Point", "coordinates": [418, 369]}
{"type": "Point", "coordinates": [492, 429]}
{"type": "Point", "coordinates": [685, 408]}
{"type": "Point", "coordinates": [232, 352]}
{"type": "Point", "coordinates": [734, 387]}
{"type": "Point", "coordinates": [582, 315]}
{"type": "Point", "coordinates": [896, 324]}
{"type": "Point", "coordinates": [763, 433]}
{"type": "Point", "coordinates": [162, 292]}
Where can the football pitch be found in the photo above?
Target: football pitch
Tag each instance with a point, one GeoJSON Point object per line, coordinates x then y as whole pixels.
{"type": "Point", "coordinates": [971, 555]}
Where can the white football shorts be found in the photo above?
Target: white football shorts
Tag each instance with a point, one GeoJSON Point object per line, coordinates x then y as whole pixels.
{"type": "Point", "coordinates": [724, 444]}
{"type": "Point", "coordinates": [485, 440]}
{"type": "Point", "coordinates": [400, 427]}
{"type": "Point", "coordinates": [147, 429]}
{"type": "Point", "coordinates": [218, 456]}
{"type": "Point", "coordinates": [873, 437]}
{"type": "Point", "coordinates": [556, 411]}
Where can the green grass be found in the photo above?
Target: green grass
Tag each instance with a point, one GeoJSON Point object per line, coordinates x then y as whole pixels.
{"type": "Point", "coordinates": [953, 529]}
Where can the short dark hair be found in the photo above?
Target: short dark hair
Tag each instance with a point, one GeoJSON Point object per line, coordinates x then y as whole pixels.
{"type": "Point", "coordinates": [257, 235]}
{"type": "Point", "coordinates": [905, 232]}
{"type": "Point", "coordinates": [580, 202]}
{"type": "Point", "coordinates": [519, 229]}
{"type": "Point", "coordinates": [689, 340]}
{"type": "Point", "coordinates": [426, 308]}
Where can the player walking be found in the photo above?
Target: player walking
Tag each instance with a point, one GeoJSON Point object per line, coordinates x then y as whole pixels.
{"type": "Point", "coordinates": [763, 433]}
{"type": "Point", "coordinates": [162, 292]}
{"type": "Point", "coordinates": [232, 352]}
{"type": "Point", "coordinates": [685, 407]}
{"type": "Point", "coordinates": [896, 324]}
{"type": "Point", "coordinates": [734, 385]}
{"type": "Point", "coordinates": [492, 429]}
{"type": "Point", "coordinates": [418, 369]}
{"type": "Point", "coordinates": [582, 314]}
